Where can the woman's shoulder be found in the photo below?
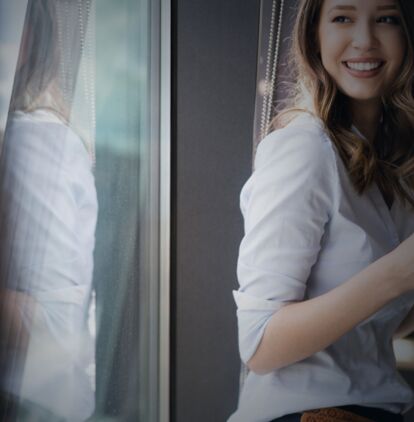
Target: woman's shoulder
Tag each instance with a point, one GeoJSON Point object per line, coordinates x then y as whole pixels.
{"type": "Point", "coordinates": [41, 122]}
{"type": "Point", "coordinates": [42, 136]}
{"type": "Point", "coordinates": [303, 139]}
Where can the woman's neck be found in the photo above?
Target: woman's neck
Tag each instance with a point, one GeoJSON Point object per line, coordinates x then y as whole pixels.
{"type": "Point", "coordinates": [366, 116]}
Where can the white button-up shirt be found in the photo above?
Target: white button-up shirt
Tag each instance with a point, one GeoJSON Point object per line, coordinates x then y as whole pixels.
{"type": "Point", "coordinates": [50, 208]}
{"type": "Point", "coordinates": [306, 232]}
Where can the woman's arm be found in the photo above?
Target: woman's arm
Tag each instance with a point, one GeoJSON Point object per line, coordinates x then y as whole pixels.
{"type": "Point", "coordinates": [13, 328]}
{"type": "Point", "coordinates": [287, 204]}
{"type": "Point", "coordinates": [299, 330]}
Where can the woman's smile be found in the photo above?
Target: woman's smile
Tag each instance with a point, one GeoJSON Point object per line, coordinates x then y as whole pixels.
{"type": "Point", "coordinates": [364, 67]}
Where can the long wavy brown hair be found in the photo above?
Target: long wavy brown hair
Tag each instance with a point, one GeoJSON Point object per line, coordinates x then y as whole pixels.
{"type": "Point", "coordinates": [36, 80]}
{"type": "Point", "coordinates": [389, 159]}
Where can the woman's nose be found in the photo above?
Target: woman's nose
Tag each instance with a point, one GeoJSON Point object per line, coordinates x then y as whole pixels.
{"type": "Point", "coordinates": [364, 37]}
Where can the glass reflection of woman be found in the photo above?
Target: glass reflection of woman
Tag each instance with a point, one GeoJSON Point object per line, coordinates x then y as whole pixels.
{"type": "Point", "coordinates": [326, 267]}
{"type": "Point", "coordinates": [48, 217]}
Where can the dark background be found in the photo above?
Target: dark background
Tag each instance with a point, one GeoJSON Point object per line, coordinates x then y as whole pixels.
{"type": "Point", "coordinates": [214, 75]}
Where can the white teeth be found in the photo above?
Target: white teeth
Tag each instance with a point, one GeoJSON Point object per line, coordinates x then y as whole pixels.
{"type": "Point", "coordinates": [363, 66]}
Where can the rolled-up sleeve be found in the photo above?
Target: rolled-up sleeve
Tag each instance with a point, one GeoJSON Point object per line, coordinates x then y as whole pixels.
{"type": "Point", "coordinates": [286, 205]}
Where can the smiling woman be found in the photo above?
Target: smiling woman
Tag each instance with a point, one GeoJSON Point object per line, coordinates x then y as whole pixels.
{"type": "Point", "coordinates": [362, 48]}
{"type": "Point", "coordinates": [325, 267]}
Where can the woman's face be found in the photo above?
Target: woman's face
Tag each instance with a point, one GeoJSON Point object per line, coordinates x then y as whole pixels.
{"type": "Point", "coordinates": [362, 46]}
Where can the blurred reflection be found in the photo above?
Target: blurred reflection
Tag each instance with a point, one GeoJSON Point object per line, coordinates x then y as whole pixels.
{"type": "Point", "coordinates": [12, 15]}
{"type": "Point", "coordinates": [48, 211]}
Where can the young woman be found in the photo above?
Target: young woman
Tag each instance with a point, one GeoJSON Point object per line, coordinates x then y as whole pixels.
{"type": "Point", "coordinates": [326, 267]}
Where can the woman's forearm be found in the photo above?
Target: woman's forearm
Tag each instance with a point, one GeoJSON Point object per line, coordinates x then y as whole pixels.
{"type": "Point", "coordinates": [301, 329]}
{"type": "Point", "coordinates": [14, 331]}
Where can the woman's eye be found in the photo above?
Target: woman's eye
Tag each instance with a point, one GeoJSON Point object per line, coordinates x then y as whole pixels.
{"type": "Point", "coordinates": [341, 19]}
{"type": "Point", "coordinates": [393, 20]}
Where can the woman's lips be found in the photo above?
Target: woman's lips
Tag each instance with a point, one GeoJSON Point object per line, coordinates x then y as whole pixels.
{"type": "Point", "coordinates": [363, 68]}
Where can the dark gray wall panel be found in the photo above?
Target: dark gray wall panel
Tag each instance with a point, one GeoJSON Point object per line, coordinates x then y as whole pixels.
{"type": "Point", "coordinates": [214, 73]}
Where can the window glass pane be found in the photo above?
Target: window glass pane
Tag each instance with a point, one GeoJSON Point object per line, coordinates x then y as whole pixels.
{"type": "Point", "coordinates": [127, 177]}
{"type": "Point", "coordinates": [80, 212]}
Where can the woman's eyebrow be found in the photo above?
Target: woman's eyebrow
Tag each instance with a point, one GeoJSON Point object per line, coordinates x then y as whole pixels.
{"type": "Point", "coordinates": [342, 7]}
{"type": "Point", "coordinates": [388, 7]}
{"type": "Point", "coordinates": [349, 7]}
